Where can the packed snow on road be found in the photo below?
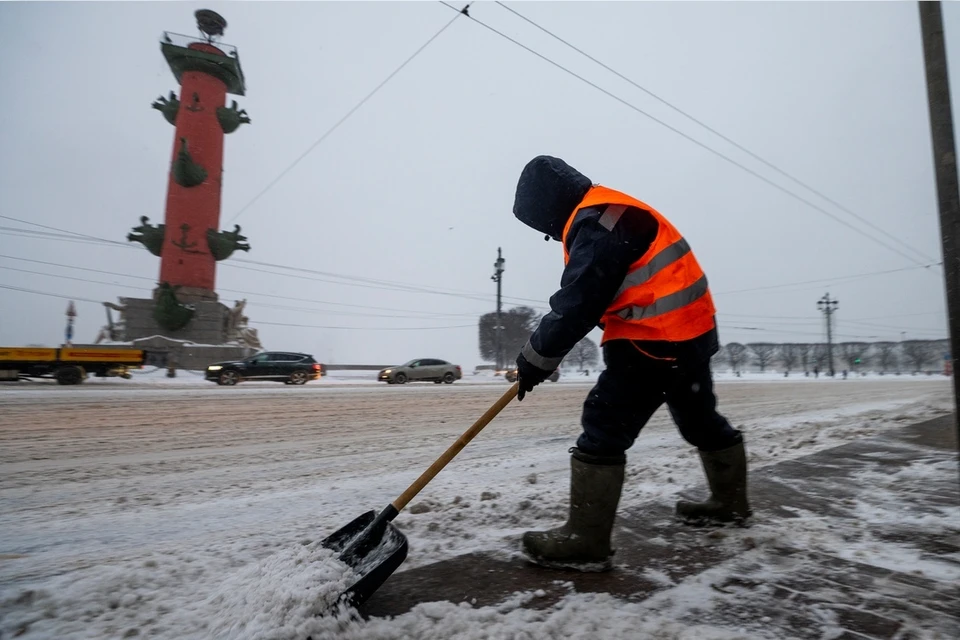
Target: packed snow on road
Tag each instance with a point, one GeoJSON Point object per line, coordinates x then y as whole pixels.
{"type": "Point", "coordinates": [172, 508]}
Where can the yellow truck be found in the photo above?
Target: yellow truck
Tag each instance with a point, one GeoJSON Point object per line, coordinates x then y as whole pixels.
{"type": "Point", "coordinates": [68, 365]}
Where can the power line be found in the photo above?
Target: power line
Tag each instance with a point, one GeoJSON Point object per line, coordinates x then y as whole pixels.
{"type": "Point", "coordinates": [422, 316]}
{"type": "Point", "coordinates": [253, 293]}
{"type": "Point", "coordinates": [690, 138]}
{"type": "Point", "coordinates": [367, 282]}
{"type": "Point", "coordinates": [805, 333]}
{"type": "Point", "coordinates": [44, 293]}
{"type": "Point", "coordinates": [829, 280]}
{"type": "Point", "coordinates": [389, 285]}
{"type": "Point", "coordinates": [308, 326]}
{"type": "Point", "coordinates": [54, 275]}
{"type": "Point", "coordinates": [393, 285]}
{"type": "Point", "coordinates": [339, 122]}
{"type": "Point", "coordinates": [720, 135]}
{"type": "Point", "coordinates": [300, 309]}
{"type": "Point", "coordinates": [43, 226]}
{"type": "Point", "coordinates": [279, 324]}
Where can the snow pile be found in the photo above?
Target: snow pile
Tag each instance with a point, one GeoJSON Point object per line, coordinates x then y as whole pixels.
{"type": "Point", "coordinates": [273, 597]}
{"type": "Point", "coordinates": [588, 615]}
{"type": "Point", "coordinates": [278, 596]}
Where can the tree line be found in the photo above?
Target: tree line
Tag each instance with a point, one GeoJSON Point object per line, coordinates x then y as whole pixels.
{"type": "Point", "coordinates": [517, 324]}
{"type": "Point", "coordinates": [907, 356]}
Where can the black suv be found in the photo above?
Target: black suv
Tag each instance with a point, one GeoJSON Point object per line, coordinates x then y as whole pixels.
{"type": "Point", "coordinates": [289, 368]}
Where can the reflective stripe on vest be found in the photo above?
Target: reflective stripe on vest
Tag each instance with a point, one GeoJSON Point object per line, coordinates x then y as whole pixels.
{"type": "Point", "coordinates": [660, 261]}
{"type": "Point", "coordinates": [665, 295]}
{"type": "Point", "coordinates": [668, 303]}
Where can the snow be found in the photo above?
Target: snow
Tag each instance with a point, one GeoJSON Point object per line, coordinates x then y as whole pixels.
{"type": "Point", "coordinates": [174, 508]}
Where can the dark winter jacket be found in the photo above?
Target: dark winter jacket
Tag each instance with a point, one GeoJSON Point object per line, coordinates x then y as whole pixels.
{"type": "Point", "coordinates": [547, 193]}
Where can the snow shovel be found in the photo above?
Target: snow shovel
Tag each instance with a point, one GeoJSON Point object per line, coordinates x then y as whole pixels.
{"type": "Point", "coordinates": [373, 547]}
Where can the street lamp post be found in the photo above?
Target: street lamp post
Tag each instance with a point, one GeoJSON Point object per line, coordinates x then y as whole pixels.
{"type": "Point", "coordinates": [498, 278]}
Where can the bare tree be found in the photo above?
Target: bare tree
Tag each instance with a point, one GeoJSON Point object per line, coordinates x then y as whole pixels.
{"type": "Point", "coordinates": [765, 352]}
{"type": "Point", "coordinates": [789, 353]}
{"type": "Point", "coordinates": [584, 354]}
{"type": "Point", "coordinates": [886, 353]}
{"type": "Point", "coordinates": [821, 356]}
{"type": "Point", "coordinates": [736, 354]}
{"type": "Point", "coordinates": [803, 353]}
{"type": "Point", "coordinates": [852, 352]}
{"type": "Point", "coordinates": [918, 353]}
{"type": "Point", "coordinates": [719, 357]}
{"type": "Point", "coordinates": [518, 323]}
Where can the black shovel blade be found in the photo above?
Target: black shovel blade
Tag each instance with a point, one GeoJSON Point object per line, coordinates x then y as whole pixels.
{"type": "Point", "coordinates": [375, 564]}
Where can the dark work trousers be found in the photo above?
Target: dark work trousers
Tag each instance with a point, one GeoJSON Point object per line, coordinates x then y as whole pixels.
{"type": "Point", "coordinates": [633, 387]}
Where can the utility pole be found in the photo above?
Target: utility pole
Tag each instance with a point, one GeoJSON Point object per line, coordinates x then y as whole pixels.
{"type": "Point", "coordinates": [828, 307]}
{"type": "Point", "coordinates": [945, 165]}
{"type": "Point", "coordinates": [71, 314]}
{"type": "Point", "coordinates": [498, 278]}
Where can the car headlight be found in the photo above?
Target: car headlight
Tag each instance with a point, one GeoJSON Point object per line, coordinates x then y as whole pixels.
{"type": "Point", "coordinates": [385, 371]}
{"type": "Point", "coordinates": [214, 367]}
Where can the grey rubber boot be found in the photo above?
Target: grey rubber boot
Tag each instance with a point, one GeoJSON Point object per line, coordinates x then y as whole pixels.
{"type": "Point", "coordinates": [727, 476]}
{"type": "Point", "coordinates": [583, 543]}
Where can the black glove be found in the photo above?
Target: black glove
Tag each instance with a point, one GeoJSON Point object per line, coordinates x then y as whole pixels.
{"type": "Point", "coordinates": [529, 376]}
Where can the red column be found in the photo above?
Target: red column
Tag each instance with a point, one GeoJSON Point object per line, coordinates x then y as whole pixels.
{"type": "Point", "coordinates": [186, 259]}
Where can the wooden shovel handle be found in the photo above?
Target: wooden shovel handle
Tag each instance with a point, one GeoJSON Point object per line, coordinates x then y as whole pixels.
{"type": "Point", "coordinates": [455, 448]}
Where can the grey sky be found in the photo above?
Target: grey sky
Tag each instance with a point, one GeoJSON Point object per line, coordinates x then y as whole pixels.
{"type": "Point", "coordinates": [417, 186]}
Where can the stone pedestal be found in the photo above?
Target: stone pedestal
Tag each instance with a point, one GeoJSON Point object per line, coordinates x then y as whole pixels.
{"type": "Point", "coordinates": [209, 325]}
{"type": "Point", "coordinates": [181, 354]}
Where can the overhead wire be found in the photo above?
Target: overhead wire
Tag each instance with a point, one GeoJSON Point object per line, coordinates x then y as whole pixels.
{"type": "Point", "coordinates": [688, 137]}
{"type": "Point", "coordinates": [259, 322]}
{"type": "Point", "coordinates": [389, 285]}
{"type": "Point", "coordinates": [253, 293]}
{"type": "Point", "coordinates": [308, 326]}
{"type": "Point", "coordinates": [838, 279]}
{"type": "Point", "coordinates": [422, 316]}
{"type": "Point", "coordinates": [712, 130]}
{"type": "Point", "coordinates": [786, 322]}
{"type": "Point", "coordinates": [339, 122]}
{"type": "Point", "coordinates": [366, 282]}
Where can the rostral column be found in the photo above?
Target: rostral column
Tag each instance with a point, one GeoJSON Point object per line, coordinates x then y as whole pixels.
{"type": "Point", "coordinates": [189, 242]}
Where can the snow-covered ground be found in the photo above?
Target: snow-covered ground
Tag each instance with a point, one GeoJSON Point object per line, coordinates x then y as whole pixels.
{"type": "Point", "coordinates": [173, 508]}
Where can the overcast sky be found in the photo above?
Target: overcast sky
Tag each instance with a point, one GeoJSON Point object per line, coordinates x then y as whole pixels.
{"type": "Point", "coordinates": [417, 186]}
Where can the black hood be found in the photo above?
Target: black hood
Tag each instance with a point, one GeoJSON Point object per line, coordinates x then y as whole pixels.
{"type": "Point", "coordinates": [547, 193]}
{"type": "Point", "coordinates": [226, 363]}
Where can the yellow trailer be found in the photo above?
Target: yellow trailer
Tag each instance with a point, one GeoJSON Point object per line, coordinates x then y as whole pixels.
{"type": "Point", "coordinates": [68, 365]}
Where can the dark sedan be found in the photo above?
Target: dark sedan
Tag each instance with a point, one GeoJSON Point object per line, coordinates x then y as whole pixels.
{"type": "Point", "coordinates": [279, 366]}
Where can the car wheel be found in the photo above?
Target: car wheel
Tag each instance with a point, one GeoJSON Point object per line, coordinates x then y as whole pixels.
{"type": "Point", "coordinates": [69, 375]}
{"type": "Point", "coordinates": [229, 378]}
{"type": "Point", "coordinates": [298, 377]}
{"type": "Point", "coordinates": [400, 378]}
{"type": "Point", "coordinates": [448, 377]}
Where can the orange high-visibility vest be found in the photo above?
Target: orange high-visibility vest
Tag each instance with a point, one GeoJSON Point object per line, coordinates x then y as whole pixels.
{"type": "Point", "coordinates": [664, 295]}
